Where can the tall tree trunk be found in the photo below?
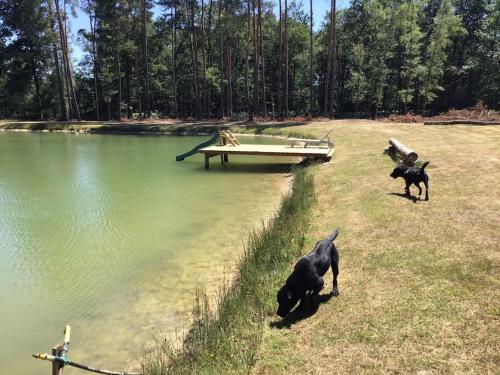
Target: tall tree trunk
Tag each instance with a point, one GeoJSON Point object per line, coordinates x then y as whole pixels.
{"type": "Point", "coordinates": [326, 100]}
{"type": "Point", "coordinates": [204, 60]}
{"type": "Point", "coordinates": [209, 56]}
{"type": "Point", "coordinates": [221, 63]}
{"type": "Point", "coordinates": [138, 84]}
{"type": "Point", "coordinates": [60, 88]}
{"type": "Point", "coordinates": [261, 45]}
{"type": "Point", "coordinates": [255, 107]}
{"type": "Point", "coordinates": [66, 85]}
{"type": "Point", "coordinates": [127, 93]}
{"type": "Point", "coordinates": [286, 58]}
{"type": "Point", "coordinates": [229, 81]}
{"type": "Point", "coordinates": [36, 81]}
{"type": "Point", "coordinates": [174, 60]}
{"type": "Point", "coordinates": [194, 56]}
{"type": "Point", "coordinates": [119, 85]}
{"type": "Point", "coordinates": [280, 67]}
{"type": "Point", "coordinates": [334, 59]}
{"type": "Point", "coordinates": [67, 65]}
{"type": "Point", "coordinates": [66, 59]}
{"type": "Point", "coordinates": [147, 109]}
{"type": "Point", "coordinates": [247, 58]}
{"type": "Point", "coordinates": [311, 69]}
{"type": "Point", "coordinates": [94, 61]}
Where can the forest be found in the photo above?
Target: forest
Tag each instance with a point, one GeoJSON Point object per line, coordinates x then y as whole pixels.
{"type": "Point", "coordinates": [246, 59]}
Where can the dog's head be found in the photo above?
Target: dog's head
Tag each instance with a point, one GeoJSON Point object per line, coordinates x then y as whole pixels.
{"type": "Point", "coordinates": [286, 301]}
{"type": "Point", "coordinates": [398, 171]}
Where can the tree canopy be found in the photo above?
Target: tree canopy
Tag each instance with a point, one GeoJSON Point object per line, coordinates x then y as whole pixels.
{"type": "Point", "coordinates": [246, 58]}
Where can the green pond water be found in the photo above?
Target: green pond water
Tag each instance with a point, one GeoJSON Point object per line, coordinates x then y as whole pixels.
{"type": "Point", "coordinates": [109, 234]}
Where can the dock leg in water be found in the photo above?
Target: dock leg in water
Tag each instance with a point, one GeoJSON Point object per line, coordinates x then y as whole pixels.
{"type": "Point", "coordinates": [207, 161]}
{"type": "Point", "coordinates": [226, 158]}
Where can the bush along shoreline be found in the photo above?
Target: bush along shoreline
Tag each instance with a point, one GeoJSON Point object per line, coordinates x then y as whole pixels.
{"type": "Point", "coordinates": [227, 339]}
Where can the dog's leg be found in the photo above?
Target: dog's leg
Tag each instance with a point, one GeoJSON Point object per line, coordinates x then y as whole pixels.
{"type": "Point", "coordinates": [319, 285]}
{"type": "Point", "coordinates": [426, 190]}
{"type": "Point", "coordinates": [335, 270]}
{"type": "Point", "coordinates": [407, 188]}
{"type": "Point", "coordinates": [419, 188]}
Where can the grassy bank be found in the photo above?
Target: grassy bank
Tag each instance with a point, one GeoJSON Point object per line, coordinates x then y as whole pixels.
{"type": "Point", "coordinates": [106, 127]}
{"type": "Point", "coordinates": [419, 285]}
{"type": "Point", "coordinates": [227, 340]}
{"type": "Point", "coordinates": [153, 127]}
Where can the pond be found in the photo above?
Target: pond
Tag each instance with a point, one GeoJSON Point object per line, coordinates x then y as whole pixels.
{"type": "Point", "coordinates": [109, 234]}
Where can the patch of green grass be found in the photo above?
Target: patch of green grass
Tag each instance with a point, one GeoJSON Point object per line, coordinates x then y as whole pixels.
{"type": "Point", "coordinates": [226, 339]}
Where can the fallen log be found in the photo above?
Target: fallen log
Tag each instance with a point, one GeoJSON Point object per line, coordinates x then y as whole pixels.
{"type": "Point", "coordinates": [406, 154]}
{"type": "Point", "coordinates": [462, 122]}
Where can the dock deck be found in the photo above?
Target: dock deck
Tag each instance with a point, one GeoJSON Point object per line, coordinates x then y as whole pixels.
{"type": "Point", "coordinates": [264, 150]}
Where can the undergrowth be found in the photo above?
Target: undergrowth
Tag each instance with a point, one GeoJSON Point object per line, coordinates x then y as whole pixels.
{"type": "Point", "coordinates": [226, 339]}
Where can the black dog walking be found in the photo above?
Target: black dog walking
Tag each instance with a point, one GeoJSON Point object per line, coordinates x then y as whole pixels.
{"type": "Point", "coordinates": [414, 176]}
{"type": "Point", "coordinates": [307, 275]}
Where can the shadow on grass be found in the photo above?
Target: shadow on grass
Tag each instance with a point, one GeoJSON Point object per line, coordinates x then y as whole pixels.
{"type": "Point", "coordinates": [403, 195]}
{"type": "Point", "coordinates": [301, 313]}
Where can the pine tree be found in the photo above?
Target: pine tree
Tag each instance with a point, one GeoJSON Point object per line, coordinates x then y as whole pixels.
{"type": "Point", "coordinates": [445, 26]}
{"type": "Point", "coordinates": [311, 61]}
{"type": "Point", "coordinates": [287, 72]}
{"type": "Point", "coordinates": [25, 23]}
{"type": "Point", "coordinates": [357, 83]}
{"type": "Point", "coordinates": [379, 47]}
{"type": "Point", "coordinates": [61, 15]}
{"type": "Point", "coordinates": [410, 40]}
{"type": "Point", "coordinates": [63, 110]}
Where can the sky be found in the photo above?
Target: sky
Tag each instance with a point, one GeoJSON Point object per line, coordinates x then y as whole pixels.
{"type": "Point", "coordinates": [81, 21]}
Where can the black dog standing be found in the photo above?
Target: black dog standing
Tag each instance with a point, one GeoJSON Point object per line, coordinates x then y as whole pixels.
{"type": "Point", "coordinates": [414, 176]}
{"type": "Point", "coordinates": [307, 275]}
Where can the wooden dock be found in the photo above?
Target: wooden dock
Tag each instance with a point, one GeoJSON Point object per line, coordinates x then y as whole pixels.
{"type": "Point", "coordinates": [264, 150]}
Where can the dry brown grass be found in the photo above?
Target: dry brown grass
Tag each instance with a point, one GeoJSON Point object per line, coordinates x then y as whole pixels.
{"type": "Point", "coordinates": [407, 118]}
{"type": "Point", "coordinates": [478, 112]}
{"type": "Point", "coordinates": [419, 282]}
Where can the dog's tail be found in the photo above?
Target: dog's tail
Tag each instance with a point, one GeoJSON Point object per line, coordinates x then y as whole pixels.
{"type": "Point", "coordinates": [333, 235]}
{"type": "Point", "coordinates": [423, 166]}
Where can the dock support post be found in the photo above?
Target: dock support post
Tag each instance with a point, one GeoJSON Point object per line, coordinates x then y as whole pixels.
{"type": "Point", "coordinates": [207, 161]}
{"type": "Point", "coordinates": [223, 158]}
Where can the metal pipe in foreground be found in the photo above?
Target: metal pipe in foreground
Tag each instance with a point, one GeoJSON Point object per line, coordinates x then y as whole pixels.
{"type": "Point", "coordinates": [67, 362]}
{"type": "Point", "coordinates": [59, 359]}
